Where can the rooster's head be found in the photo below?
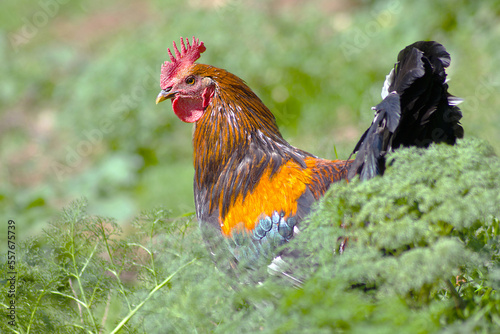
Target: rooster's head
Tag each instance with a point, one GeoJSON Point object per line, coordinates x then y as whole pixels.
{"type": "Point", "coordinates": [184, 82]}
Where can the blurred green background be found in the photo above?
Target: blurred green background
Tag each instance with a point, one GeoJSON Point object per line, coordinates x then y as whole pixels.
{"type": "Point", "coordinates": [79, 81]}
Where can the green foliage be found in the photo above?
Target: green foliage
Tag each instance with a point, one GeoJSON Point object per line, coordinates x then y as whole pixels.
{"type": "Point", "coordinates": [425, 237]}
{"type": "Point", "coordinates": [83, 275]}
{"type": "Point", "coordinates": [422, 256]}
{"type": "Point", "coordinates": [77, 99]}
{"type": "Point", "coordinates": [78, 119]}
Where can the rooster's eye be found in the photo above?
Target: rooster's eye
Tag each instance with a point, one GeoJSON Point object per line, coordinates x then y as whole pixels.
{"type": "Point", "coordinates": [190, 80]}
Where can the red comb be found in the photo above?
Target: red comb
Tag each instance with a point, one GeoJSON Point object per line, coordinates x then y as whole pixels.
{"type": "Point", "coordinates": [185, 58]}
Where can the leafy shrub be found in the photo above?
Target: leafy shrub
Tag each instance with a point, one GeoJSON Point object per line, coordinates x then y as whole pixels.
{"type": "Point", "coordinates": [425, 238]}
{"type": "Point", "coordinates": [422, 256]}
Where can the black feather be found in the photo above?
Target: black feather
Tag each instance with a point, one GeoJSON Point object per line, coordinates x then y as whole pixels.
{"type": "Point", "coordinates": [417, 109]}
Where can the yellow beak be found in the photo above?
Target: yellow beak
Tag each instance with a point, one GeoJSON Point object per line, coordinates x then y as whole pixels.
{"type": "Point", "coordinates": [164, 95]}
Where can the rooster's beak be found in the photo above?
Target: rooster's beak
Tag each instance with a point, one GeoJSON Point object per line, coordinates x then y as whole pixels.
{"type": "Point", "coordinates": [165, 94]}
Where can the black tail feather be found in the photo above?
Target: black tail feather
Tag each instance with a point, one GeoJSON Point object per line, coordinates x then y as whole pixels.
{"type": "Point", "coordinates": [416, 110]}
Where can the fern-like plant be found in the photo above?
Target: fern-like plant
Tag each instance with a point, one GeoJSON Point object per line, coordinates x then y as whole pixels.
{"type": "Point", "coordinates": [421, 255]}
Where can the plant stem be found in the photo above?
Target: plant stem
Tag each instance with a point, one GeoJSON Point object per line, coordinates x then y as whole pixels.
{"type": "Point", "coordinates": [151, 293]}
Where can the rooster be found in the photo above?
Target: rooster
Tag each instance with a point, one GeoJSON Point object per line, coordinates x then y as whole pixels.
{"type": "Point", "coordinates": [251, 187]}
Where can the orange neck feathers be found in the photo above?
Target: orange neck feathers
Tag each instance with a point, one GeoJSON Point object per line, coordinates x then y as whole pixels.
{"type": "Point", "coordinates": [236, 142]}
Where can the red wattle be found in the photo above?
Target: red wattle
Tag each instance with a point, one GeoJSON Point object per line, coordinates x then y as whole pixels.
{"type": "Point", "coordinates": [188, 110]}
